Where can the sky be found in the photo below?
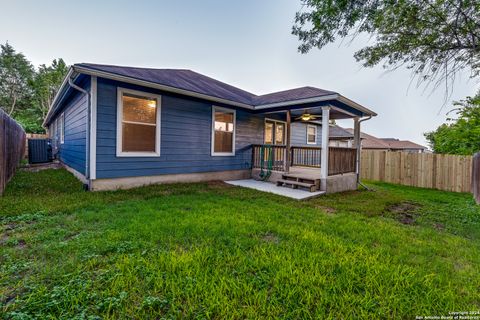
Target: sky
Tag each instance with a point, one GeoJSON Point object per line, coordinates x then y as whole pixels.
{"type": "Point", "coordinates": [246, 43]}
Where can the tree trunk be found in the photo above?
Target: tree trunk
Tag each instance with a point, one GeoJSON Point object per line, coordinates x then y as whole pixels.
{"type": "Point", "coordinates": [12, 108]}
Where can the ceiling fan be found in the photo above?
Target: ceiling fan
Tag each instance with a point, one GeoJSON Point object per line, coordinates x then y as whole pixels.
{"type": "Point", "coordinates": [307, 116]}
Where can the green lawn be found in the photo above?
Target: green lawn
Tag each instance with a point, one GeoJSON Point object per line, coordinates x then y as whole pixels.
{"type": "Point", "coordinates": [209, 250]}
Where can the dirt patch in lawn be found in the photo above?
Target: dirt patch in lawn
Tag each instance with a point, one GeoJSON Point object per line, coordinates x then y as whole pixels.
{"type": "Point", "coordinates": [270, 237]}
{"type": "Point", "coordinates": [217, 184]}
{"type": "Point", "coordinates": [327, 210]}
{"type": "Point", "coordinates": [405, 212]}
{"type": "Point", "coordinates": [41, 166]}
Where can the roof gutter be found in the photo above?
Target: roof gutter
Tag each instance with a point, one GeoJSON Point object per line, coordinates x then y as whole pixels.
{"type": "Point", "coordinates": [299, 101]}
{"type": "Point", "coordinates": [358, 146]}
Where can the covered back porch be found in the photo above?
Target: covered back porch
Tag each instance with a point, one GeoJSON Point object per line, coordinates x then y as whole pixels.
{"type": "Point", "coordinates": [315, 168]}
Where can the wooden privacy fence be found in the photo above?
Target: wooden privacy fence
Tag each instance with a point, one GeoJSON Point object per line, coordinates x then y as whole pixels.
{"type": "Point", "coordinates": [12, 148]}
{"type": "Point", "coordinates": [426, 170]}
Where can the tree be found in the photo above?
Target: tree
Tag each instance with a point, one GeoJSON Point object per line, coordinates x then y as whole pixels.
{"type": "Point", "coordinates": [16, 73]}
{"type": "Point", "coordinates": [461, 135]}
{"type": "Point", "coordinates": [46, 83]}
{"type": "Point", "coordinates": [434, 38]}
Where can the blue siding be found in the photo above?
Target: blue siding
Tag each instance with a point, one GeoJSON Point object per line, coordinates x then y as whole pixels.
{"type": "Point", "coordinates": [299, 135]}
{"type": "Point", "coordinates": [73, 151]}
{"type": "Point", "coordinates": [185, 145]}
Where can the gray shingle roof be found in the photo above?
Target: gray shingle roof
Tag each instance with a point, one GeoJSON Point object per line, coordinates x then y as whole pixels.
{"type": "Point", "coordinates": [289, 95]}
{"type": "Point", "coordinates": [339, 132]}
{"type": "Point", "coordinates": [196, 82]}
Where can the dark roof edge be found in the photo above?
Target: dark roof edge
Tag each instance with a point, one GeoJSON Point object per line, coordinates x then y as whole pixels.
{"type": "Point", "coordinates": [79, 68]}
{"type": "Point", "coordinates": [114, 76]}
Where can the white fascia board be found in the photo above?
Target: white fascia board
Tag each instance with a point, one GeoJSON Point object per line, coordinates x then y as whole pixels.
{"type": "Point", "coordinates": [355, 105]}
{"type": "Point", "coordinates": [294, 102]}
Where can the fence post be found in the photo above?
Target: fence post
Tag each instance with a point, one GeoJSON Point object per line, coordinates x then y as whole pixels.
{"type": "Point", "coordinates": [476, 177]}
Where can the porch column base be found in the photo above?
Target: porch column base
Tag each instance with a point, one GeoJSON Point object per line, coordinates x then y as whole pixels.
{"type": "Point", "coordinates": [323, 184]}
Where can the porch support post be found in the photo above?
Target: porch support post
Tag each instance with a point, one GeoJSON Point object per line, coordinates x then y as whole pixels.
{"type": "Point", "coordinates": [324, 151]}
{"type": "Point", "coordinates": [358, 144]}
{"type": "Point", "coordinates": [288, 153]}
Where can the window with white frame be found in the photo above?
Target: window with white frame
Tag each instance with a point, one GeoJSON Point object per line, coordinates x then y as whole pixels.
{"type": "Point", "coordinates": [223, 131]}
{"type": "Point", "coordinates": [311, 134]}
{"type": "Point", "coordinates": [138, 123]}
{"type": "Point", "coordinates": [61, 128]}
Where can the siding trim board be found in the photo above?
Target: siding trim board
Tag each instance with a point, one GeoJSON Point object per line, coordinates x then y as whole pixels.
{"type": "Point", "coordinates": [93, 129]}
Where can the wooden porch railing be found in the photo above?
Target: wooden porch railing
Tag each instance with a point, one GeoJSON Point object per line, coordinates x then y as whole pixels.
{"type": "Point", "coordinates": [306, 156]}
{"type": "Point", "coordinates": [341, 160]}
{"type": "Point", "coordinates": [279, 156]}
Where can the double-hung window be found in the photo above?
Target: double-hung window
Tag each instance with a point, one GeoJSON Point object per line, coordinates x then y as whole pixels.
{"type": "Point", "coordinates": [138, 123]}
{"type": "Point", "coordinates": [311, 134]}
{"type": "Point", "coordinates": [274, 132]}
{"type": "Point", "coordinates": [223, 131]}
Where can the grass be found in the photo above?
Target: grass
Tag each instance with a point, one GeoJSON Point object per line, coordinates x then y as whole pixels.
{"type": "Point", "coordinates": [209, 250]}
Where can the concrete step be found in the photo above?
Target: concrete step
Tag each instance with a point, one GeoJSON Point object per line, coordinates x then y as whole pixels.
{"type": "Point", "coordinates": [295, 184]}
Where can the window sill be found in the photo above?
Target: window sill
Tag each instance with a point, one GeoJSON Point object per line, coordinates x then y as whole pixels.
{"type": "Point", "coordinates": [138, 154]}
{"type": "Point", "coordinates": [220, 154]}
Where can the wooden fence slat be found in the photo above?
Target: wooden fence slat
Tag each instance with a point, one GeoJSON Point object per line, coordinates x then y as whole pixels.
{"type": "Point", "coordinates": [438, 171]}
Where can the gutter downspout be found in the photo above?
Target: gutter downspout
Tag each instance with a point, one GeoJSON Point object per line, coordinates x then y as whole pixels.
{"type": "Point", "coordinates": [87, 147]}
{"type": "Point", "coordinates": [359, 150]}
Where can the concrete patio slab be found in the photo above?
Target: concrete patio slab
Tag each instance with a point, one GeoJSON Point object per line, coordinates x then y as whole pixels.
{"type": "Point", "coordinates": [297, 194]}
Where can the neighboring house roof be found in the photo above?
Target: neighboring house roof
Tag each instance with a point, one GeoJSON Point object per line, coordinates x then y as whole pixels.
{"type": "Point", "coordinates": [371, 142]}
{"type": "Point", "coordinates": [191, 83]}
{"type": "Point", "coordinates": [403, 144]}
{"type": "Point", "coordinates": [337, 132]}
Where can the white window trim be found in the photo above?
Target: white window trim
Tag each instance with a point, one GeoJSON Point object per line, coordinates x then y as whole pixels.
{"type": "Point", "coordinates": [314, 127]}
{"type": "Point", "coordinates": [212, 140]}
{"type": "Point", "coordinates": [274, 120]}
{"type": "Point", "coordinates": [120, 153]}
{"type": "Point", "coordinates": [62, 128]}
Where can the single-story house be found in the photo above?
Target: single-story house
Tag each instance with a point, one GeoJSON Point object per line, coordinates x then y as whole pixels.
{"type": "Point", "coordinates": [370, 142]}
{"type": "Point", "coordinates": [404, 145]}
{"type": "Point", "coordinates": [120, 127]}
